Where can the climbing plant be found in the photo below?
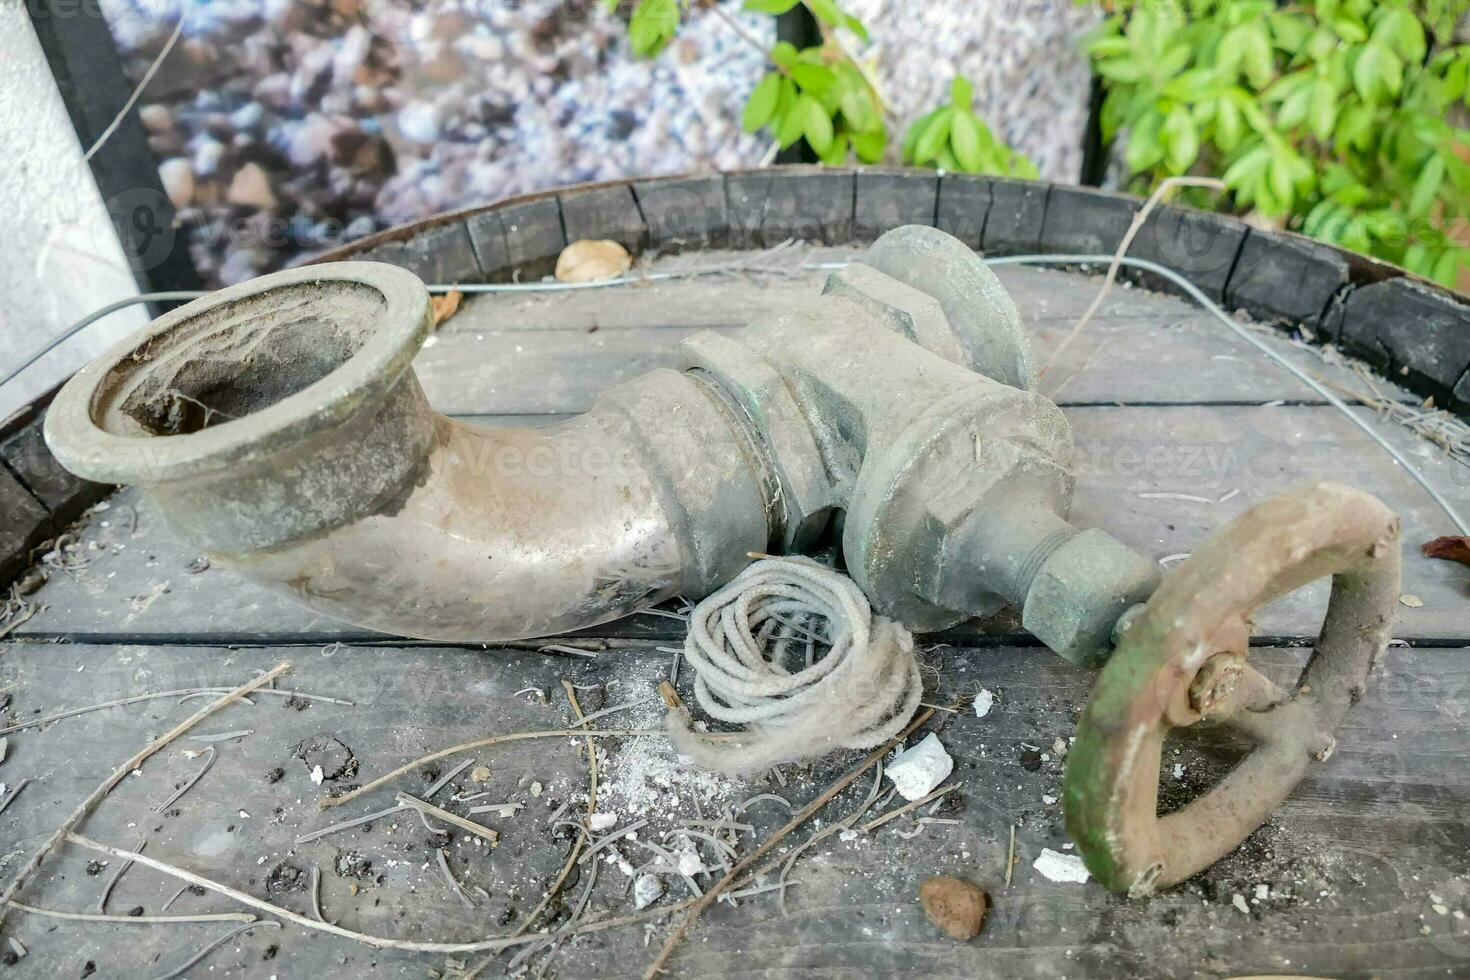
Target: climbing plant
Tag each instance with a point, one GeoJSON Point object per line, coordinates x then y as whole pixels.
{"type": "Point", "coordinates": [1342, 119]}
{"type": "Point", "coordinates": [822, 94]}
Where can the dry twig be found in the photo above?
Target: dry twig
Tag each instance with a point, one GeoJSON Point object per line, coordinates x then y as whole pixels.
{"type": "Point", "coordinates": [380, 942]}
{"type": "Point", "coordinates": [1153, 201]}
{"type": "Point", "coordinates": [479, 743]}
{"type": "Point", "coordinates": [120, 773]}
{"type": "Point", "coordinates": [134, 919]}
{"type": "Point", "coordinates": [430, 810]}
{"type": "Point", "coordinates": [770, 842]}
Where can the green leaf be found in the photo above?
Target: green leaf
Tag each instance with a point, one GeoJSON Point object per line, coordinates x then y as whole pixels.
{"type": "Point", "coordinates": [1355, 127]}
{"type": "Point", "coordinates": [961, 92]}
{"type": "Point", "coordinates": [1249, 166]}
{"type": "Point", "coordinates": [870, 144]}
{"type": "Point", "coordinates": [825, 11]}
{"type": "Point", "coordinates": [1399, 29]}
{"type": "Point", "coordinates": [965, 140]}
{"type": "Point", "coordinates": [1282, 186]}
{"type": "Point", "coordinates": [761, 106]}
{"type": "Point", "coordinates": [1228, 126]}
{"type": "Point", "coordinates": [1145, 148]}
{"type": "Point", "coordinates": [792, 117]}
{"type": "Point", "coordinates": [784, 54]}
{"type": "Point", "coordinates": [1349, 30]}
{"type": "Point", "coordinates": [911, 138]}
{"type": "Point", "coordinates": [836, 151]}
{"type": "Point", "coordinates": [1377, 72]}
{"type": "Point", "coordinates": [1182, 138]}
{"type": "Point", "coordinates": [1321, 45]}
{"type": "Point", "coordinates": [1109, 46]}
{"type": "Point", "coordinates": [1447, 267]}
{"type": "Point", "coordinates": [1023, 167]}
{"type": "Point", "coordinates": [1294, 110]}
{"type": "Point", "coordinates": [816, 79]}
{"type": "Point", "coordinates": [859, 111]}
{"type": "Point", "coordinates": [1248, 48]}
{"type": "Point", "coordinates": [1194, 85]}
{"type": "Point", "coordinates": [652, 24]}
{"type": "Point", "coordinates": [934, 137]}
{"type": "Point", "coordinates": [1173, 61]}
{"type": "Point", "coordinates": [1455, 78]}
{"type": "Point", "coordinates": [1259, 63]}
{"type": "Point", "coordinates": [1289, 31]}
{"type": "Point", "coordinates": [1120, 70]}
{"type": "Point", "coordinates": [1426, 188]}
{"type": "Point", "coordinates": [1418, 260]}
{"type": "Point", "coordinates": [776, 7]}
{"type": "Point", "coordinates": [856, 26]}
{"type": "Point", "coordinates": [818, 125]}
{"type": "Point", "coordinates": [1322, 115]}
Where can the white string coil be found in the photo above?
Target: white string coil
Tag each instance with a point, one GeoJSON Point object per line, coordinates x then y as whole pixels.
{"type": "Point", "coordinates": [756, 647]}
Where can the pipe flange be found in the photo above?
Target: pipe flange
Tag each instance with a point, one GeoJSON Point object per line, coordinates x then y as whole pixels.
{"type": "Point", "coordinates": [262, 413]}
{"type": "Point", "coordinates": [238, 374]}
{"type": "Point", "coordinates": [980, 312]}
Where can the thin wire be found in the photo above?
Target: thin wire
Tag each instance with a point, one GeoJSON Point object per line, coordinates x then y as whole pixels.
{"type": "Point", "coordinates": [1144, 264]}
{"type": "Point", "coordinates": [93, 317]}
{"type": "Point", "coordinates": [1246, 335]}
{"type": "Point", "coordinates": [438, 287]}
{"type": "Point", "coordinates": [132, 99]}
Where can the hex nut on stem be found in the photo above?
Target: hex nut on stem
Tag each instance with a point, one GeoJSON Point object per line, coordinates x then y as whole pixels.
{"type": "Point", "coordinates": [1081, 591]}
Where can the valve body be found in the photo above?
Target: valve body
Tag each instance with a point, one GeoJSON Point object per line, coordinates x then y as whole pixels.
{"type": "Point", "coordinates": [279, 428]}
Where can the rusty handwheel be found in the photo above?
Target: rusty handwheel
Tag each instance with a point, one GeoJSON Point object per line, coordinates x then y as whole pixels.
{"type": "Point", "coordinates": [1182, 660]}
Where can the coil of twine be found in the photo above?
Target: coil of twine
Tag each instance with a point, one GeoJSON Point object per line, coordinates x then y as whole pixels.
{"type": "Point", "coordinates": [757, 650]}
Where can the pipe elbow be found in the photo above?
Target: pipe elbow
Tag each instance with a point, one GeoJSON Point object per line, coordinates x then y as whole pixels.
{"type": "Point", "coordinates": [280, 429]}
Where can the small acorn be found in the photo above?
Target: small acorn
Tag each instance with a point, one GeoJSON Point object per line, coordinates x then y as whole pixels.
{"type": "Point", "coordinates": [956, 906]}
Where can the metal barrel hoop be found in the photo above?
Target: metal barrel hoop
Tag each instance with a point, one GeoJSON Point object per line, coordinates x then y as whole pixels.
{"type": "Point", "coordinates": [1183, 659]}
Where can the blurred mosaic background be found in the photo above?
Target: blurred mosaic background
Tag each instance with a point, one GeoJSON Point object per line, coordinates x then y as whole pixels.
{"type": "Point", "coordinates": [285, 127]}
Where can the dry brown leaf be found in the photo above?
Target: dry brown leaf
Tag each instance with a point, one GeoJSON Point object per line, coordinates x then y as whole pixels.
{"type": "Point", "coordinates": [445, 305]}
{"type": "Point", "coordinates": [1449, 548]}
{"type": "Point", "coordinates": [592, 260]}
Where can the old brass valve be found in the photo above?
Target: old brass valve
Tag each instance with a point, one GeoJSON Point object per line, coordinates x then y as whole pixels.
{"type": "Point", "coordinates": [279, 428]}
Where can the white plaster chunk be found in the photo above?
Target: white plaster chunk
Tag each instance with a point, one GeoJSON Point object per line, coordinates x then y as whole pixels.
{"type": "Point", "coordinates": [1056, 866]}
{"type": "Point", "coordinates": [918, 770]}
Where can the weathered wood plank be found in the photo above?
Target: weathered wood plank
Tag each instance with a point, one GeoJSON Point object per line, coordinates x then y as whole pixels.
{"type": "Point", "coordinates": [517, 353]}
{"type": "Point", "coordinates": [136, 584]}
{"type": "Point", "coordinates": [1187, 361]}
{"type": "Point", "coordinates": [733, 300]}
{"type": "Point", "coordinates": [1349, 861]}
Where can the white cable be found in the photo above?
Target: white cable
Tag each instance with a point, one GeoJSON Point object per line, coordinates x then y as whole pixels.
{"type": "Point", "coordinates": [750, 670]}
{"type": "Point", "coordinates": [137, 90]}
{"type": "Point", "coordinates": [747, 265]}
{"type": "Point", "coordinates": [1097, 259]}
{"type": "Point", "coordinates": [1248, 337]}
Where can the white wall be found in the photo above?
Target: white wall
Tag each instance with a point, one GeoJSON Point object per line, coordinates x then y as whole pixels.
{"type": "Point", "coordinates": [59, 254]}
